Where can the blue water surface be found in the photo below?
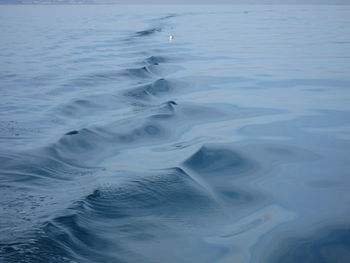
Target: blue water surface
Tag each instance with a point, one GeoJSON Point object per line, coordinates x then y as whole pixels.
{"type": "Point", "coordinates": [228, 143]}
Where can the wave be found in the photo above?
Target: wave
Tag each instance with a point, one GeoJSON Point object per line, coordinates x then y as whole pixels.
{"type": "Point", "coordinates": [100, 226]}
{"type": "Point", "coordinates": [147, 158]}
{"type": "Point", "coordinates": [147, 32]}
{"type": "Point", "coordinates": [156, 88]}
{"type": "Point", "coordinates": [211, 159]}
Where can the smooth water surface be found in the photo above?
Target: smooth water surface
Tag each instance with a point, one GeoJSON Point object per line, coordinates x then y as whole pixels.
{"type": "Point", "coordinates": [229, 143]}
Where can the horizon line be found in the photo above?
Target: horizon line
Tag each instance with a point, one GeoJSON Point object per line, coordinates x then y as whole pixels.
{"type": "Point", "coordinates": [242, 4]}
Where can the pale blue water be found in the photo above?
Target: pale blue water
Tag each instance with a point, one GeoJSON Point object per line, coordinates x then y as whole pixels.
{"type": "Point", "coordinates": [228, 144]}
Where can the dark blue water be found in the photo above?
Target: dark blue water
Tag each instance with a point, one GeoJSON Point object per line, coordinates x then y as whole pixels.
{"type": "Point", "coordinates": [229, 143]}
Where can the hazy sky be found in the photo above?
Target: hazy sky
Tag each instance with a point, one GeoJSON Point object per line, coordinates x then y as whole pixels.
{"type": "Point", "coordinates": [184, 1]}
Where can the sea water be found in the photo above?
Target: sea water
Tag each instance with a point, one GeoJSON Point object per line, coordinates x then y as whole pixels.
{"type": "Point", "coordinates": [227, 142]}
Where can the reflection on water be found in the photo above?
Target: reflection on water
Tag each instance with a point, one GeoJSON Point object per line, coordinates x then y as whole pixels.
{"type": "Point", "coordinates": [326, 245]}
{"type": "Point", "coordinates": [228, 144]}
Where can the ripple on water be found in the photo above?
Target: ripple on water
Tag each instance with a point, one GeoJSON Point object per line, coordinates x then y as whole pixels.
{"type": "Point", "coordinates": [101, 225]}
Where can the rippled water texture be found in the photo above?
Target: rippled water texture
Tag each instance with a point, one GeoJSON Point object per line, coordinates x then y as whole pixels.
{"type": "Point", "coordinates": [229, 143]}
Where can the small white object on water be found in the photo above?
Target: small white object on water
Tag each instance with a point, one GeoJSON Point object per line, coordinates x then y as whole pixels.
{"type": "Point", "coordinates": [171, 37]}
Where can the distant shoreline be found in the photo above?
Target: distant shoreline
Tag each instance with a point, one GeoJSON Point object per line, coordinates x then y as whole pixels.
{"type": "Point", "coordinates": [164, 4]}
